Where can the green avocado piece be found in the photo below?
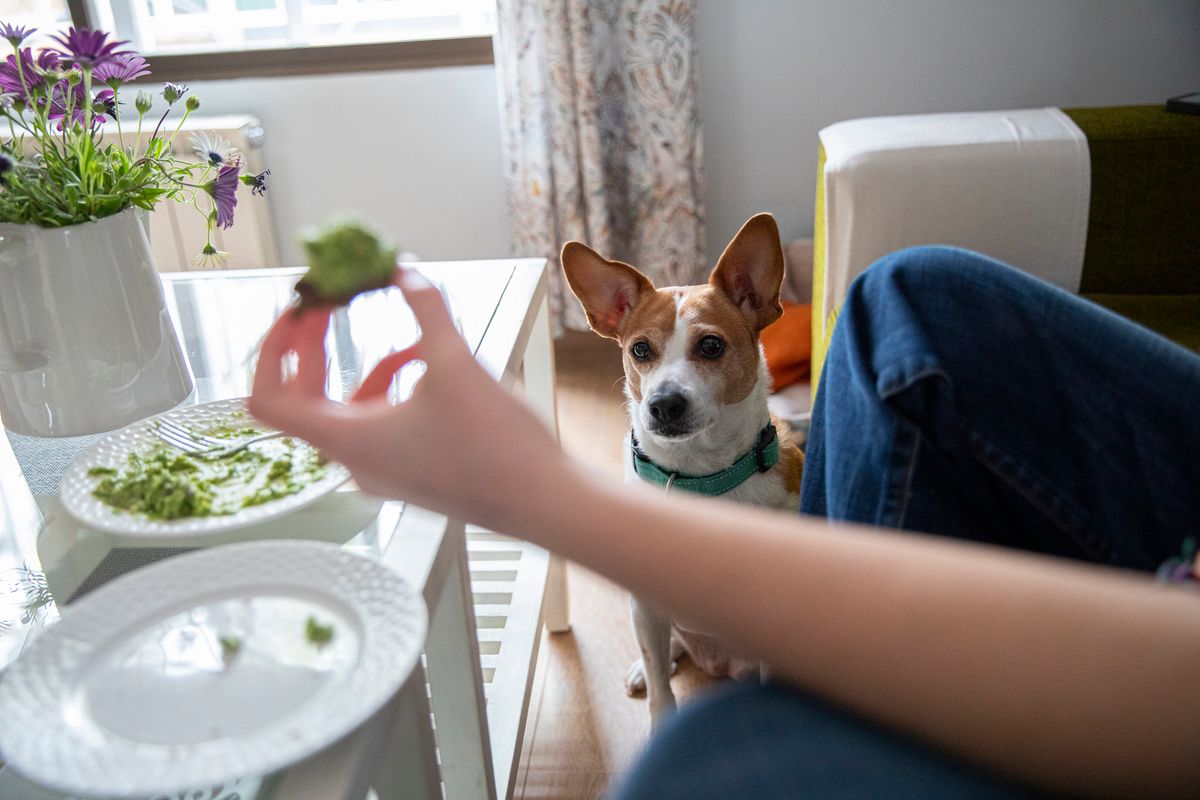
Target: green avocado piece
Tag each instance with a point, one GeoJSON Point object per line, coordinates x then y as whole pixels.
{"type": "Point", "coordinates": [316, 633]}
{"type": "Point", "coordinates": [345, 258]}
{"type": "Point", "coordinates": [230, 645]}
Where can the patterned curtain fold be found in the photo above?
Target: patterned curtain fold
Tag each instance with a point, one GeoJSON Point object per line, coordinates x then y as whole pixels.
{"type": "Point", "coordinates": [602, 135]}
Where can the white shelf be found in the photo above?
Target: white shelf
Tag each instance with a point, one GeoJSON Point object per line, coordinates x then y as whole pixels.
{"type": "Point", "coordinates": [508, 580]}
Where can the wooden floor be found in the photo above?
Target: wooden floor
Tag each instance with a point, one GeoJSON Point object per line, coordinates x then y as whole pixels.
{"type": "Point", "coordinates": [583, 730]}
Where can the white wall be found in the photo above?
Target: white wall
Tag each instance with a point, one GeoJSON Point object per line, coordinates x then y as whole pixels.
{"type": "Point", "coordinates": [774, 72]}
{"type": "Point", "coordinates": [416, 153]}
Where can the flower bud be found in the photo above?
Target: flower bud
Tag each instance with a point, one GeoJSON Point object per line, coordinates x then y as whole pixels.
{"type": "Point", "coordinates": [259, 182]}
{"type": "Point", "coordinates": [73, 76]}
{"type": "Point", "coordinates": [143, 102]}
{"type": "Point", "coordinates": [173, 91]}
{"type": "Point", "coordinates": [193, 103]}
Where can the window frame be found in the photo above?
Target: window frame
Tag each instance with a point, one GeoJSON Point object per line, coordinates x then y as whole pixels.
{"type": "Point", "coordinates": [329, 59]}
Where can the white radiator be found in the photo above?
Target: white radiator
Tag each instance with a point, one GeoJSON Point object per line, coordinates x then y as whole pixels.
{"type": "Point", "coordinates": [177, 231]}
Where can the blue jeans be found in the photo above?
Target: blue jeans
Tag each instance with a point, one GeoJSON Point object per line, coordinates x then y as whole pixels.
{"type": "Point", "coordinates": [963, 398]}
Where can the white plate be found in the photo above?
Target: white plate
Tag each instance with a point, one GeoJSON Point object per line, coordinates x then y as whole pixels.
{"type": "Point", "coordinates": [112, 451]}
{"type": "Point", "coordinates": [131, 694]}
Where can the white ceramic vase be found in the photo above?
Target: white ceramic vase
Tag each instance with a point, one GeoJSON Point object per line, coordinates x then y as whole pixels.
{"type": "Point", "coordinates": [86, 344]}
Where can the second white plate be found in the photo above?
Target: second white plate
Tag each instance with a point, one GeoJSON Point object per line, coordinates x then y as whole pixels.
{"type": "Point", "coordinates": [200, 668]}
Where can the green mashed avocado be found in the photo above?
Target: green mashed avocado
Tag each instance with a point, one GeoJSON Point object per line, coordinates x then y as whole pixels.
{"type": "Point", "coordinates": [162, 483]}
{"type": "Point", "coordinates": [345, 258]}
{"type": "Point", "coordinates": [235, 426]}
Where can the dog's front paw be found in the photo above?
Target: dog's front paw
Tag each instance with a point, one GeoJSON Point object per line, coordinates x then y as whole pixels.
{"type": "Point", "coordinates": [635, 678]}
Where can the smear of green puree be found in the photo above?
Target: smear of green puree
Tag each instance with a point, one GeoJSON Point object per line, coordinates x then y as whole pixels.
{"type": "Point", "coordinates": [162, 483]}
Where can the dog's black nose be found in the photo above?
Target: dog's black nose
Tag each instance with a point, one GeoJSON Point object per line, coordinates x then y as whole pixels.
{"type": "Point", "coordinates": [668, 407]}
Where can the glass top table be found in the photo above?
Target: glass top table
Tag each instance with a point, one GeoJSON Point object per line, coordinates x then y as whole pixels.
{"type": "Point", "coordinates": [502, 311]}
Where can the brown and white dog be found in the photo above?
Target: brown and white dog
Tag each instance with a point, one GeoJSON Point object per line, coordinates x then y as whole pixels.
{"type": "Point", "coordinates": [697, 386]}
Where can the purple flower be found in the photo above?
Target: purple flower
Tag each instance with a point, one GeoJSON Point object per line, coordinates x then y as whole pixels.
{"type": "Point", "coordinates": [6, 165]}
{"type": "Point", "coordinates": [105, 102]}
{"type": "Point", "coordinates": [10, 76]}
{"type": "Point", "coordinates": [34, 72]}
{"type": "Point", "coordinates": [224, 192]}
{"type": "Point", "coordinates": [58, 105]}
{"type": "Point", "coordinates": [89, 49]}
{"type": "Point", "coordinates": [49, 61]}
{"type": "Point", "coordinates": [15, 33]}
{"type": "Point", "coordinates": [121, 69]}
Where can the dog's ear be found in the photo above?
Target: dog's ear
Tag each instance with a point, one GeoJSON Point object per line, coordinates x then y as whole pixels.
{"type": "Point", "coordinates": [750, 271]}
{"type": "Point", "coordinates": [608, 290]}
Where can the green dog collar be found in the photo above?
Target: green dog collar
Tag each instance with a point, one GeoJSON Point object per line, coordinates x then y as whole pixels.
{"type": "Point", "coordinates": [761, 458]}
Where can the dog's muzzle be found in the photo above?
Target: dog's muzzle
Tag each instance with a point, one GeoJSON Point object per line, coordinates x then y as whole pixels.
{"type": "Point", "coordinates": [668, 414]}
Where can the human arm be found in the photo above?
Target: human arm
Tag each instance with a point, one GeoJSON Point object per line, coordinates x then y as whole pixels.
{"type": "Point", "coordinates": [1073, 678]}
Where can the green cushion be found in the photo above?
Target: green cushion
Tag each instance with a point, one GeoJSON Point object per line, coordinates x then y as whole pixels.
{"type": "Point", "coordinates": [1144, 218]}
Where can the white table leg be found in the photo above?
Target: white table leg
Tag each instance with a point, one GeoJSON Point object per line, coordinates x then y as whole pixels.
{"type": "Point", "coordinates": [396, 746]}
{"type": "Point", "coordinates": [408, 766]}
{"type": "Point", "coordinates": [557, 609]}
{"type": "Point", "coordinates": [539, 392]}
{"type": "Point", "coordinates": [456, 683]}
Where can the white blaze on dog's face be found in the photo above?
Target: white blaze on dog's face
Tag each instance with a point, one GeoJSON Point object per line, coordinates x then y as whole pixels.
{"type": "Point", "coordinates": [688, 351]}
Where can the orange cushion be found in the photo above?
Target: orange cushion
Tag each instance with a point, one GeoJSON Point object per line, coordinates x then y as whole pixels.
{"type": "Point", "coordinates": [787, 343]}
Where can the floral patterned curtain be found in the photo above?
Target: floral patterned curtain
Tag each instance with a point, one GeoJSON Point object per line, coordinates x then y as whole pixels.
{"type": "Point", "coordinates": [602, 135]}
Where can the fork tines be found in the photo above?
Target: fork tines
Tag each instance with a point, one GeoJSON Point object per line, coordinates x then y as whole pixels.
{"type": "Point", "coordinates": [175, 434]}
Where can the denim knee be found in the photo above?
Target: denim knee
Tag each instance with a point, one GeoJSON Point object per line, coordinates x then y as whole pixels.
{"type": "Point", "coordinates": [927, 310]}
{"type": "Point", "coordinates": [921, 273]}
{"type": "Point", "coordinates": [709, 748]}
{"type": "Point", "coordinates": [777, 743]}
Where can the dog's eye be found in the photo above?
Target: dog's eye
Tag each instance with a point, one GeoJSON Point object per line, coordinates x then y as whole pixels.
{"type": "Point", "coordinates": [710, 346]}
{"type": "Point", "coordinates": [640, 351]}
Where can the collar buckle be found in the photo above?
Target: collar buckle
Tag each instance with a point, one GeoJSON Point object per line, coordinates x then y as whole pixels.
{"type": "Point", "coordinates": [760, 448]}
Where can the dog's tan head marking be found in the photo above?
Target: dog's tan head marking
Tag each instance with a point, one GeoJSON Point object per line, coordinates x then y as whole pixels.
{"type": "Point", "coordinates": [608, 290]}
{"type": "Point", "coordinates": [651, 323]}
{"type": "Point", "coordinates": [689, 351]}
{"type": "Point", "coordinates": [750, 271]}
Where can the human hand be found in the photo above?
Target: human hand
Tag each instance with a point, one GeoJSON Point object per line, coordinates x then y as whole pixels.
{"type": "Point", "coordinates": [460, 444]}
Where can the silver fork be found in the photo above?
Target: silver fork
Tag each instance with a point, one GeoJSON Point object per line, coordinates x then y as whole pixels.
{"type": "Point", "coordinates": [181, 438]}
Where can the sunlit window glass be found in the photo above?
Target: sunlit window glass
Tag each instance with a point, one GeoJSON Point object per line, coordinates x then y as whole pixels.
{"type": "Point", "coordinates": [48, 16]}
{"type": "Point", "coordinates": [174, 26]}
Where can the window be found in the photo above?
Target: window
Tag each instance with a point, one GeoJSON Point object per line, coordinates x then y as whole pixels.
{"type": "Point", "coordinates": [48, 16]}
{"type": "Point", "coordinates": [189, 40]}
{"type": "Point", "coordinates": [160, 27]}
